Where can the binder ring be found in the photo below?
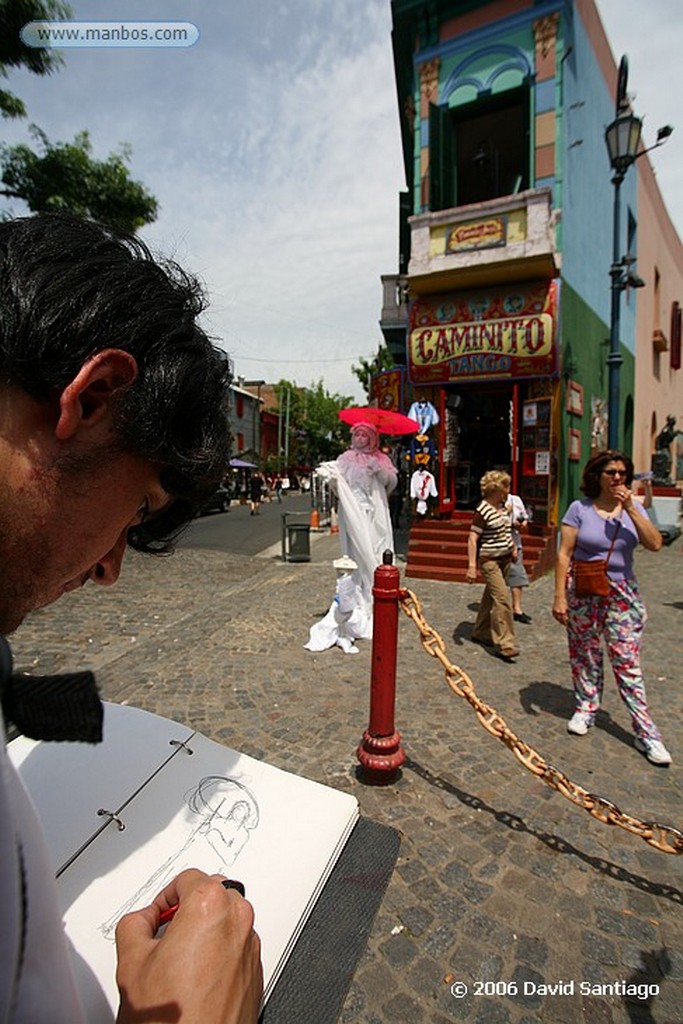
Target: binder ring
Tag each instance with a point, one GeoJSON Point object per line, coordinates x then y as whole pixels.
{"type": "Point", "coordinates": [112, 817]}
{"type": "Point", "coordinates": [181, 743]}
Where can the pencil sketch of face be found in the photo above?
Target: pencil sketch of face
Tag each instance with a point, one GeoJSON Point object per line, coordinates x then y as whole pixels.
{"type": "Point", "coordinates": [228, 812]}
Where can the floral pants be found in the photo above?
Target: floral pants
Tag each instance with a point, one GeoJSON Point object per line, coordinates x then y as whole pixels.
{"type": "Point", "coordinates": [619, 619]}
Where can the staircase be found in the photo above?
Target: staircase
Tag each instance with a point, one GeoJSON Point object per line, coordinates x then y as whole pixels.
{"type": "Point", "coordinates": [437, 549]}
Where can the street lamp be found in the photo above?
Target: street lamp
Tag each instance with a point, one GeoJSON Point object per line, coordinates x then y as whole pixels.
{"type": "Point", "coordinates": [623, 139]}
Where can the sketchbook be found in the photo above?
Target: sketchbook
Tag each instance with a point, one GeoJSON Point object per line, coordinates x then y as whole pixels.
{"type": "Point", "coordinates": [124, 817]}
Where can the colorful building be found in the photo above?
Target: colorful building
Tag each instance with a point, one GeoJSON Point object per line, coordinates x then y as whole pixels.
{"type": "Point", "coordinates": [499, 314]}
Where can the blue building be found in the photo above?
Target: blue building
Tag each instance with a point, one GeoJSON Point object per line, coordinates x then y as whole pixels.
{"type": "Point", "coordinates": [500, 309]}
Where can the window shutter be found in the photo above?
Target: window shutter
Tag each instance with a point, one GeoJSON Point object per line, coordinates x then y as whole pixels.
{"type": "Point", "coordinates": [675, 336]}
{"type": "Point", "coordinates": [435, 183]}
{"type": "Point", "coordinates": [441, 160]}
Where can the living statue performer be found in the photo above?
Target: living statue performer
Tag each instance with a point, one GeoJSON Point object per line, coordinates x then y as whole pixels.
{"type": "Point", "coordinates": [361, 477]}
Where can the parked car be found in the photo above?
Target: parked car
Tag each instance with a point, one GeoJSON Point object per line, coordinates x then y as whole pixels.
{"type": "Point", "coordinates": [218, 502]}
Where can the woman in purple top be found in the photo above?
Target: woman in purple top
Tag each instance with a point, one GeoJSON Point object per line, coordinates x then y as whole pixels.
{"type": "Point", "coordinates": [587, 531]}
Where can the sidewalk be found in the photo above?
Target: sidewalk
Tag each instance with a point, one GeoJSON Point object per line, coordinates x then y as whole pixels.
{"type": "Point", "coordinates": [502, 885]}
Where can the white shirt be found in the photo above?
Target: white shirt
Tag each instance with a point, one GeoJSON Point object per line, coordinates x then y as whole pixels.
{"type": "Point", "coordinates": [36, 981]}
{"type": "Point", "coordinates": [518, 510]}
{"type": "Point", "coordinates": [422, 486]}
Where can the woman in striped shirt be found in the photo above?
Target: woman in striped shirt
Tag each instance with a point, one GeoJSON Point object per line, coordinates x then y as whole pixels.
{"type": "Point", "coordinates": [491, 547]}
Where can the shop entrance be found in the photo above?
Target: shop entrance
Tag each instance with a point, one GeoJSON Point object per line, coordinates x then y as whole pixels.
{"type": "Point", "coordinates": [480, 425]}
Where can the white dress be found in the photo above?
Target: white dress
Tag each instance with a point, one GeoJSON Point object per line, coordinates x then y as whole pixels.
{"type": "Point", "coordinates": [362, 481]}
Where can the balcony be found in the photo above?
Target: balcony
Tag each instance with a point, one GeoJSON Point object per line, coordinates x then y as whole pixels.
{"type": "Point", "coordinates": [394, 300]}
{"type": "Point", "coordinates": [510, 238]}
{"type": "Point", "coordinates": [394, 316]}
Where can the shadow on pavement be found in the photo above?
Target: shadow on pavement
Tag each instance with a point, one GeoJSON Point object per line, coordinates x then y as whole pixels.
{"type": "Point", "coordinates": [553, 842]}
{"type": "Point", "coordinates": [559, 701]}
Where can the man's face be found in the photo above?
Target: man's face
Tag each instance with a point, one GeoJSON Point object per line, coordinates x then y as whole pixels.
{"type": "Point", "coordinates": [65, 524]}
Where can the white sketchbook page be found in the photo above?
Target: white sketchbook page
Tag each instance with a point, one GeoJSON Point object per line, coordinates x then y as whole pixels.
{"type": "Point", "coordinates": [220, 811]}
{"type": "Point", "coordinates": [69, 782]}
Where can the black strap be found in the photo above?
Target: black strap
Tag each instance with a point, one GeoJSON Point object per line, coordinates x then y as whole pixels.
{"type": "Point", "coordinates": [61, 707]}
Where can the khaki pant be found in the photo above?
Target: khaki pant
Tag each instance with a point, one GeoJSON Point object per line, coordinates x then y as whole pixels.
{"type": "Point", "coordinates": [494, 622]}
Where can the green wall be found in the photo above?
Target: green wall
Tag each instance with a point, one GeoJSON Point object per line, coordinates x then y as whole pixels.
{"type": "Point", "coordinates": [584, 346]}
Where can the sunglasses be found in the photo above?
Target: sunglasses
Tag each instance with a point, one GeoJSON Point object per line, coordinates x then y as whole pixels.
{"type": "Point", "coordinates": [614, 472]}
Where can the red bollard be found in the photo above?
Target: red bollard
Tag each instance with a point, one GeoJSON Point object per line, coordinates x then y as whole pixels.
{"type": "Point", "coordinates": [380, 752]}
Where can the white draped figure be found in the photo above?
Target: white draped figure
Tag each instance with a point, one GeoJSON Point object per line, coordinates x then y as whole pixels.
{"type": "Point", "coordinates": [361, 477]}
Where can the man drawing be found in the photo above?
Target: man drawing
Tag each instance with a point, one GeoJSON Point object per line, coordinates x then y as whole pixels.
{"type": "Point", "coordinates": [113, 429]}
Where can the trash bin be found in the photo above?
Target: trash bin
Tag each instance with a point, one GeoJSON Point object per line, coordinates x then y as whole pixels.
{"type": "Point", "coordinates": [296, 540]}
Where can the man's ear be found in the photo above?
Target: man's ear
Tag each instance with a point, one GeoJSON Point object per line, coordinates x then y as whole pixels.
{"type": "Point", "coordinates": [87, 401]}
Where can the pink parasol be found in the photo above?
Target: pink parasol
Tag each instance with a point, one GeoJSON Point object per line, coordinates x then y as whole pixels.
{"type": "Point", "coordinates": [383, 420]}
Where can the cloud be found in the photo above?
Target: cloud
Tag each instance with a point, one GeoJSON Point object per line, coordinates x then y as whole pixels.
{"type": "Point", "coordinates": [650, 36]}
{"type": "Point", "coordinates": [273, 146]}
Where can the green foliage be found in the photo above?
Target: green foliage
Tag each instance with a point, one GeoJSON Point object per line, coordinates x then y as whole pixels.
{"type": "Point", "coordinates": [64, 176]}
{"type": "Point", "coordinates": [61, 176]}
{"type": "Point", "coordinates": [367, 368]}
{"type": "Point", "coordinates": [316, 434]}
{"type": "Point", "coordinates": [14, 14]}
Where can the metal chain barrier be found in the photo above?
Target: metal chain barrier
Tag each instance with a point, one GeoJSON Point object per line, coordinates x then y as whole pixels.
{"type": "Point", "coordinates": [663, 837]}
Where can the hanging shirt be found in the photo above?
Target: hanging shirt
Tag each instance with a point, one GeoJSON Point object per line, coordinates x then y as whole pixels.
{"type": "Point", "coordinates": [422, 487]}
{"type": "Point", "coordinates": [425, 414]}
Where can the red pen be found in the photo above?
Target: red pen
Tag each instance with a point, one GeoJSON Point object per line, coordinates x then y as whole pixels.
{"type": "Point", "coordinates": [227, 883]}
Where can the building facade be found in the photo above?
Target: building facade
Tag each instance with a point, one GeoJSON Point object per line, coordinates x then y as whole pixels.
{"type": "Point", "coordinates": [244, 411]}
{"type": "Point", "coordinates": [500, 311]}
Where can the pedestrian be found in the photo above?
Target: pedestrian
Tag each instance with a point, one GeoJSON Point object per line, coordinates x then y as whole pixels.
{"type": "Point", "coordinates": [113, 430]}
{"type": "Point", "coordinates": [255, 492]}
{"type": "Point", "coordinates": [517, 574]}
{"type": "Point", "coordinates": [606, 524]}
{"type": "Point", "coordinates": [278, 488]}
{"type": "Point", "coordinates": [491, 548]}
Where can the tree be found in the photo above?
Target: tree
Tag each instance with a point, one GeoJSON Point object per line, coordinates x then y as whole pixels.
{"type": "Point", "coordinates": [367, 368]}
{"type": "Point", "coordinates": [311, 429]}
{"type": "Point", "coordinates": [65, 176]}
{"type": "Point", "coordinates": [14, 53]}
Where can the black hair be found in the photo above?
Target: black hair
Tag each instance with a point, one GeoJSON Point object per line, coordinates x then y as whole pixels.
{"type": "Point", "coordinates": [590, 478]}
{"type": "Point", "coordinates": [70, 288]}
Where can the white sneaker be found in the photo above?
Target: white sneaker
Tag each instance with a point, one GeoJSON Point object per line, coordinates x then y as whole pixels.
{"type": "Point", "coordinates": [578, 724]}
{"type": "Point", "coordinates": [654, 750]}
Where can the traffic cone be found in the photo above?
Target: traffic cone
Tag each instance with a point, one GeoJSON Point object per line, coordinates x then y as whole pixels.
{"type": "Point", "coordinates": [334, 525]}
{"type": "Point", "coordinates": [315, 519]}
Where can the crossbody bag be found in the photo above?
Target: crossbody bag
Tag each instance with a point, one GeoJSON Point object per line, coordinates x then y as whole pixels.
{"type": "Point", "coordinates": [590, 578]}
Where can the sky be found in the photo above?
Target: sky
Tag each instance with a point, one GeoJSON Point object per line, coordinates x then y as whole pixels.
{"type": "Point", "coordinates": [273, 147]}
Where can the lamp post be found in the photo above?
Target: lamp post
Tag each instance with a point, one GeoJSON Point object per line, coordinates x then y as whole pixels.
{"type": "Point", "coordinates": [623, 139]}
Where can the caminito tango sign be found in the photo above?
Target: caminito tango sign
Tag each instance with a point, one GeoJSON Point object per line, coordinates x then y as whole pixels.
{"type": "Point", "coordinates": [485, 335]}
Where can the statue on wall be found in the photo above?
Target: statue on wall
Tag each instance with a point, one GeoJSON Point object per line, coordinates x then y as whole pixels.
{"type": "Point", "coordinates": [661, 458]}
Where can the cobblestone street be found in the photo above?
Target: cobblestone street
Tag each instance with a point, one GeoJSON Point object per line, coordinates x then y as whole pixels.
{"type": "Point", "coordinates": [502, 885]}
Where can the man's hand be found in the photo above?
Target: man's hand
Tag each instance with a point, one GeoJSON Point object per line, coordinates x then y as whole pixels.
{"type": "Point", "coordinates": [471, 574]}
{"type": "Point", "coordinates": [204, 968]}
